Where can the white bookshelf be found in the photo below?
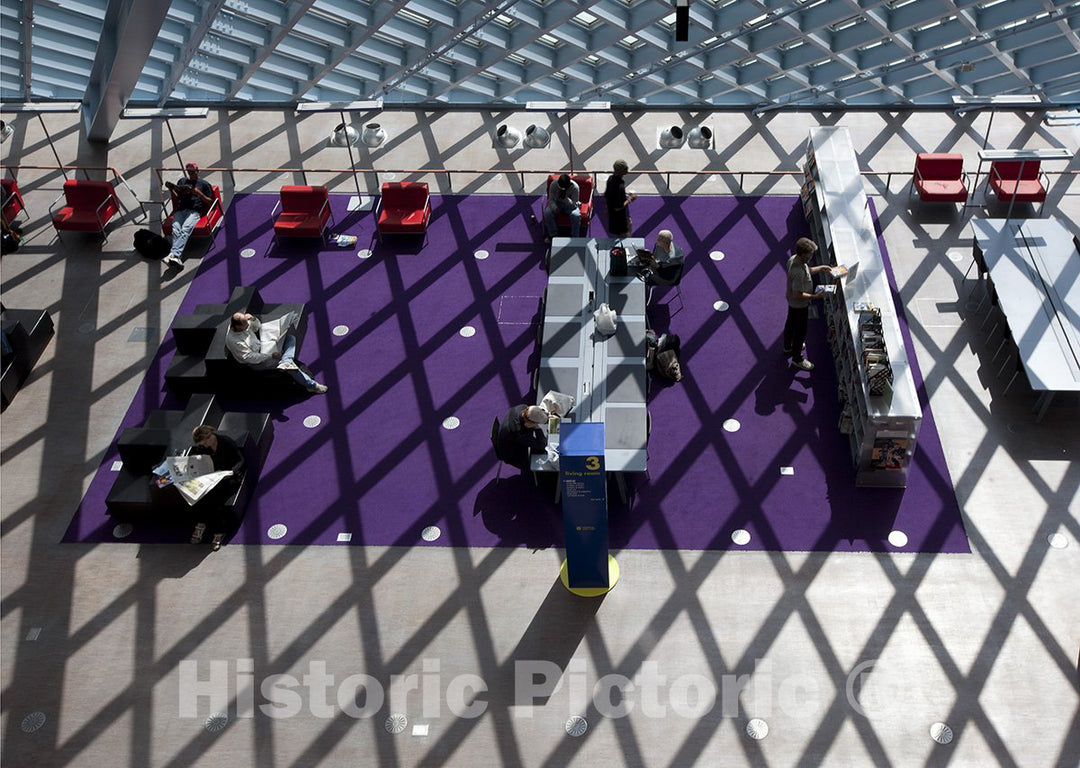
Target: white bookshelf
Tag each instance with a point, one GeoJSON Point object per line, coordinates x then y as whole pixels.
{"type": "Point", "coordinates": [883, 429]}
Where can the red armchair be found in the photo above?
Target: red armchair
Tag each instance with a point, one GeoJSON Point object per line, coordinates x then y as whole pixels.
{"type": "Point", "coordinates": [305, 212]}
{"type": "Point", "coordinates": [585, 186]}
{"type": "Point", "coordinates": [940, 178]}
{"type": "Point", "coordinates": [209, 223]}
{"type": "Point", "coordinates": [405, 208]}
{"type": "Point", "coordinates": [12, 204]}
{"type": "Point", "coordinates": [1016, 181]}
{"type": "Point", "coordinates": [89, 206]}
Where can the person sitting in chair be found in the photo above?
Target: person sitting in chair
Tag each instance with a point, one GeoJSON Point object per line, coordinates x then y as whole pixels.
{"type": "Point", "coordinates": [520, 435]}
{"type": "Point", "coordinates": [191, 198]}
{"type": "Point", "coordinates": [246, 346]}
{"type": "Point", "coordinates": [226, 455]}
{"type": "Point", "coordinates": [564, 196]}
{"type": "Point", "coordinates": [669, 259]}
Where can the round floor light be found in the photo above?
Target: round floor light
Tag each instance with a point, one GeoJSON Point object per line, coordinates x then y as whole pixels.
{"type": "Point", "coordinates": [898, 539]}
{"type": "Point", "coordinates": [720, 306]}
{"type": "Point", "coordinates": [216, 722]}
{"type": "Point", "coordinates": [941, 733]}
{"type": "Point", "coordinates": [732, 425]}
{"type": "Point", "coordinates": [481, 255]}
{"type": "Point", "coordinates": [757, 729]}
{"type": "Point", "coordinates": [468, 332]}
{"type": "Point", "coordinates": [312, 421]}
{"type": "Point", "coordinates": [396, 723]}
{"type": "Point", "coordinates": [451, 422]}
{"type": "Point", "coordinates": [247, 253]}
{"type": "Point", "coordinates": [717, 255]}
{"type": "Point", "coordinates": [364, 253]}
{"type": "Point", "coordinates": [577, 725]}
{"type": "Point", "coordinates": [431, 533]}
{"type": "Point", "coordinates": [1057, 540]}
{"type": "Point", "coordinates": [277, 531]}
{"type": "Point", "coordinates": [123, 530]}
{"type": "Point", "coordinates": [32, 722]}
{"type": "Point", "coordinates": [340, 330]}
{"type": "Point", "coordinates": [740, 536]}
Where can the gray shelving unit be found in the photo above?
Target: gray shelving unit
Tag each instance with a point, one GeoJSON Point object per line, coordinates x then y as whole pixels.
{"type": "Point", "coordinates": [883, 429]}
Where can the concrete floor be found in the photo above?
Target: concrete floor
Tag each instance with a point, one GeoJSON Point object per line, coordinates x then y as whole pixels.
{"type": "Point", "coordinates": [849, 658]}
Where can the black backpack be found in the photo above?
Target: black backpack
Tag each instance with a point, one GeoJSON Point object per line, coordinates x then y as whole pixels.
{"type": "Point", "coordinates": [151, 245]}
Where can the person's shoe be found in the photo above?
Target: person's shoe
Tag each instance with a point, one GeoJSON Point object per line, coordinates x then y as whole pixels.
{"type": "Point", "coordinates": [787, 350]}
{"type": "Point", "coordinates": [197, 534]}
{"type": "Point", "coordinates": [319, 389]}
{"type": "Point", "coordinates": [217, 541]}
{"type": "Point", "coordinates": [803, 364]}
{"type": "Point", "coordinates": [173, 261]}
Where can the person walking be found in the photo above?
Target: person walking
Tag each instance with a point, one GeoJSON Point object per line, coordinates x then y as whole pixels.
{"type": "Point", "coordinates": [618, 201]}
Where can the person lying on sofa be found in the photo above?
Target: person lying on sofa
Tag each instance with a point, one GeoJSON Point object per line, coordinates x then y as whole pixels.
{"type": "Point", "coordinates": [268, 346]}
{"type": "Point", "coordinates": [226, 455]}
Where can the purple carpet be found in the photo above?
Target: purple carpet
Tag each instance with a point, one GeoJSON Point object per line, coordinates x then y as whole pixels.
{"type": "Point", "coordinates": [382, 467]}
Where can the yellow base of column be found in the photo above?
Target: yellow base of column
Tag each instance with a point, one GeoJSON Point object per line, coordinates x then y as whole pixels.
{"type": "Point", "coordinates": [613, 579]}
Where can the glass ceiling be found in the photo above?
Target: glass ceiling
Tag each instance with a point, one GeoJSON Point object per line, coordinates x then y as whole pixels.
{"type": "Point", "coordinates": [740, 52]}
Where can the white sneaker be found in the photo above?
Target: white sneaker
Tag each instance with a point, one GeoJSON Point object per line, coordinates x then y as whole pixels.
{"type": "Point", "coordinates": [320, 389]}
{"type": "Point", "coordinates": [172, 261]}
{"type": "Point", "coordinates": [803, 364]}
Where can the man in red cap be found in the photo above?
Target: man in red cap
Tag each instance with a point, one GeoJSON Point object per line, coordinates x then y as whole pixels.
{"type": "Point", "coordinates": [192, 198]}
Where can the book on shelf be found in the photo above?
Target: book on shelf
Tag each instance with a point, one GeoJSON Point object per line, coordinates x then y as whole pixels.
{"type": "Point", "coordinates": [865, 306]}
{"type": "Point", "coordinates": [838, 271]}
{"type": "Point", "coordinates": [889, 453]}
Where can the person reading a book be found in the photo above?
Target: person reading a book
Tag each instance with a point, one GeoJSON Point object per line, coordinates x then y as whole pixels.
{"type": "Point", "coordinates": [268, 346]}
{"type": "Point", "coordinates": [665, 265]}
{"type": "Point", "coordinates": [191, 198]}
{"type": "Point", "coordinates": [210, 509]}
{"type": "Point", "coordinates": [521, 434]}
{"type": "Point", "coordinates": [564, 196]}
{"type": "Point", "coordinates": [799, 293]}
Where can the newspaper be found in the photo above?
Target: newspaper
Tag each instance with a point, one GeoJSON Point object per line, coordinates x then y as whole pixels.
{"type": "Point", "coordinates": [271, 333]}
{"type": "Point", "coordinates": [194, 476]}
{"type": "Point", "coordinates": [557, 403]}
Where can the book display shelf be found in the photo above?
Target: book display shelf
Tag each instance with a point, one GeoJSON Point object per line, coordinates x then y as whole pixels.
{"type": "Point", "coordinates": [879, 408]}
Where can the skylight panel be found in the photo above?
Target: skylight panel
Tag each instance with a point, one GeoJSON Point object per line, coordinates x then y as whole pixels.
{"type": "Point", "coordinates": [414, 17]}
{"type": "Point", "coordinates": [586, 20]}
{"type": "Point", "coordinates": [845, 24]}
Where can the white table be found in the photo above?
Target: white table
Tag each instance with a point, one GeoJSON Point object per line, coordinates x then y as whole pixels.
{"type": "Point", "coordinates": [1035, 269]}
{"type": "Point", "coordinates": [605, 374]}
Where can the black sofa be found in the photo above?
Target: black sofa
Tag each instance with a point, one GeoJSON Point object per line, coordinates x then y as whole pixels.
{"type": "Point", "coordinates": [134, 497]}
{"type": "Point", "coordinates": [28, 331]}
{"type": "Point", "coordinates": [203, 364]}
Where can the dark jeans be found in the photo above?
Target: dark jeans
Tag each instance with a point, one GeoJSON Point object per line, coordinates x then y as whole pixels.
{"type": "Point", "coordinates": [795, 331]}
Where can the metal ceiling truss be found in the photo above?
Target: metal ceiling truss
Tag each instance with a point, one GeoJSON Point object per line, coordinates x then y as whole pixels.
{"type": "Point", "coordinates": [762, 54]}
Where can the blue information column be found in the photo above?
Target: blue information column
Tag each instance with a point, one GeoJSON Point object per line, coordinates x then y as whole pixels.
{"type": "Point", "coordinates": [588, 569]}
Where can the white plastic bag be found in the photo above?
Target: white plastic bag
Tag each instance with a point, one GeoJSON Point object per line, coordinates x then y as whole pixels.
{"type": "Point", "coordinates": [606, 319]}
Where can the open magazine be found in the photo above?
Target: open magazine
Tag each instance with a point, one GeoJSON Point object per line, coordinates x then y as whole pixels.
{"type": "Point", "coordinates": [194, 476]}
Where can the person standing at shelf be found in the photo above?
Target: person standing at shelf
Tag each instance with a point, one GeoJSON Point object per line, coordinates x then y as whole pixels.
{"type": "Point", "coordinates": [799, 293]}
{"type": "Point", "coordinates": [618, 201]}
